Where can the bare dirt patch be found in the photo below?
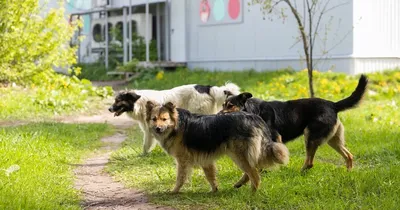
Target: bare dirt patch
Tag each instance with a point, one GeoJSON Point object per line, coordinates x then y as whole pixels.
{"type": "Point", "coordinates": [99, 190]}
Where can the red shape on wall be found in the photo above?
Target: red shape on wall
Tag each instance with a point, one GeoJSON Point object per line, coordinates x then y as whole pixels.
{"type": "Point", "coordinates": [234, 8]}
{"type": "Point", "coordinates": [204, 11]}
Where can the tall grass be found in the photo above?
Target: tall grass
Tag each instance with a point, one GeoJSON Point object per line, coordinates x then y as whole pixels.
{"type": "Point", "coordinates": [372, 135]}
{"type": "Point", "coordinates": [36, 163]}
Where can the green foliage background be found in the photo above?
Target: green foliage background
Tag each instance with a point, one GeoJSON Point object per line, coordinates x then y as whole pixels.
{"type": "Point", "coordinates": [33, 43]}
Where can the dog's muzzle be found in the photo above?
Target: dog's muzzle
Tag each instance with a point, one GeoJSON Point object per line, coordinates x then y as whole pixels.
{"type": "Point", "coordinates": [159, 130]}
{"type": "Point", "coordinates": [117, 112]}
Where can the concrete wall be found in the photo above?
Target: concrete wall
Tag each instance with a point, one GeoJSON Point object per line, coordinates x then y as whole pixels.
{"type": "Point", "coordinates": [178, 30]}
{"type": "Point", "coordinates": [264, 44]}
{"type": "Point", "coordinates": [376, 35]}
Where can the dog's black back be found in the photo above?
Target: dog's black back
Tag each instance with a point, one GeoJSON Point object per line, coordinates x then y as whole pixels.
{"type": "Point", "coordinates": [291, 118]}
{"type": "Point", "coordinates": [207, 132]}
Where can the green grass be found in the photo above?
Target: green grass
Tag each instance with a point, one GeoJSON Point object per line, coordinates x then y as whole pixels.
{"type": "Point", "coordinates": [25, 104]}
{"type": "Point", "coordinates": [245, 79]}
{"type": "Point", "coordinates": [95, 72]}
{"type": "Point", "coordinates": [371, 130]}
{"type": "Point", "coordinates": [41, 155]}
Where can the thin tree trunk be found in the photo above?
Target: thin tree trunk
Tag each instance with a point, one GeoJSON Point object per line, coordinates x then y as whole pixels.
{"type": "Point", "coordinates": [311, 66]}
{"type": "Point", "coordinates": [305, 46]}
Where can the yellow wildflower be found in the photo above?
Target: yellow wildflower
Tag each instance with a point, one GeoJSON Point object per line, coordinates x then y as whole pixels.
{"type": "Point", "coordinates": [160, 75]}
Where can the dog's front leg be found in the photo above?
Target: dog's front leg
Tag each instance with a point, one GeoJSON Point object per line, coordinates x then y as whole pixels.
{"type": "Point", "coordinates": [210, 172]}
{"type": "Point", "coordinates": [148, 142]}
{"type": "Point", "coordinates": [148, 139]}
{"type": "Point", "coordinates": [182, 174]}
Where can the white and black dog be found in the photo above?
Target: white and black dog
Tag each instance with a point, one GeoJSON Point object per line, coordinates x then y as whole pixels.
{"type": "Point", "coordinates": [195, 98]}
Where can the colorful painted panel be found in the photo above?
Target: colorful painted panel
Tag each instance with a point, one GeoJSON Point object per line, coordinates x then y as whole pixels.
{"type": "Point", "coordinates": [214, 12]}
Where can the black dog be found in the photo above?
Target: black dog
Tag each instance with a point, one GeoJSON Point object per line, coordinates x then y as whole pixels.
{"type": "Point", "coordinates": [316, 118]}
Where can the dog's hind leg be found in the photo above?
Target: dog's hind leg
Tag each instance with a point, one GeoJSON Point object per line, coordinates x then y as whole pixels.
{"type": "Point", "coordinates": [316, 134]}
{"type": "Point", "coordinates": [210, 172]}
{"type": "Point", "coordinates": [252, 172]}
{"type": "Point", "coordinates": [242, 181]}
{"type": "Point", "coordinates": [312, 145]}
{"type": "Point", "coordinates": [183, 171]}
{"type": "Point", "coordinates": [337, 143]}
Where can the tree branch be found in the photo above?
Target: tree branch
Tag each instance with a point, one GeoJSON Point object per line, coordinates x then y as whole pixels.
{"type": "Point", "coordinates": [274, 5]}
{"type": "Point", "coordinates": [334, 7]}
{"type": "Point", "coordinates": [318, 22]}
{"type": "Point", "coordinates": [305, 45]}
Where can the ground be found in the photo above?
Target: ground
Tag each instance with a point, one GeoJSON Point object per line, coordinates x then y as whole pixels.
{"type": "Point", "coordinates": [98, 187]}
{"type": "Point", "coordinates": [111, 172]}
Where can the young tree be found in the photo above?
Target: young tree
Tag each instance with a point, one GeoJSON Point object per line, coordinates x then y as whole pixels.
{"type": "Point", "coordinates": [31, 44]}
{"type": "Point", "coordinates": [308, 24]}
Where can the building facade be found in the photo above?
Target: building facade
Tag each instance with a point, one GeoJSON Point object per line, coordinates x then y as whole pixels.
{"type": "Point", "coordinates": [356, 36]}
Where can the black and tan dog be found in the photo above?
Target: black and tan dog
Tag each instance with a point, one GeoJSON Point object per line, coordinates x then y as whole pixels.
{"type": "Point", "coordinates": [194, 139]}
{"type": "Point", "coordinates": [316, 118]}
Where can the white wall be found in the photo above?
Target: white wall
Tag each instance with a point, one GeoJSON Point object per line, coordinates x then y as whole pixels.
{"type": "Point", "coordinates": [376, 28]}
{"type": "Point", "coordinates": [178, 30]}
{"type": "Point", "coordinates": [262, 44]}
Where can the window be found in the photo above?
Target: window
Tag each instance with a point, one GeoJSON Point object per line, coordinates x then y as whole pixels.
{"type": "Point", "coordinates": [118, 31]}
{"type": "Point", "coordinates": [109, 32]}
{"type": "Point", "coordinates": [97, 35]}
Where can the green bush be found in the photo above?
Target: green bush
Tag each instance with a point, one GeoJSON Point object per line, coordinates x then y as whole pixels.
{"type": "Point", "coordinates": [31, 47]}
{"type": "Point", "coordinates": [94, 72]}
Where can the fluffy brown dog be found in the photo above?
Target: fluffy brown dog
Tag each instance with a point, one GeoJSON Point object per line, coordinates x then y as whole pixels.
{"type": "Point", "coordinates": [194, 139]}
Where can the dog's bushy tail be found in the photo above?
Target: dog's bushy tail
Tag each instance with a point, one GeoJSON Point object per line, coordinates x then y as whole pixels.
{"type": "Point", "coordinates": [354, 99]}
{"type": "Point", "coordinates": [280, 153]}
{"type": "Point", "coordinates": [219, 93]}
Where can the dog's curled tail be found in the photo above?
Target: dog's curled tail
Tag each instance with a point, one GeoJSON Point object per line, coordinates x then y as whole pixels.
{"type": "Point", "coordinates": [280, 153]}
{"type": "Point", "coordinates": [354, 99]}
{"type": "Point", "coordinates": [220, 93]}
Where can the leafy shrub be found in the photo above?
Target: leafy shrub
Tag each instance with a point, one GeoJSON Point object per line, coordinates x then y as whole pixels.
{"type": "Point", "coordinates": [94, 71]}
{"type": "Point", "coordinates": [31, 46]}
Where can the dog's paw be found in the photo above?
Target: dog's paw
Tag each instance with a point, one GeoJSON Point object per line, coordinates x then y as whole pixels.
{"type": "Point", "coordinates": [144, 154]}
{"type": "Point", "coordinates": [174, 192]}
{"type": "Point", "coordinates": [214, 190]}
{"type": "Point", "coordinates": [237, 186]}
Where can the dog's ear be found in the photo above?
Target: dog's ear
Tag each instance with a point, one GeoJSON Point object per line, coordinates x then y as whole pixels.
{"type": "Point", "coordinates": [170, 106]}
{"type": "Point", "coordinates": [149, 107]}
{"type": "Point", "coordinates": [244, 96]}
{"type": "Point", "coordinates": [227, 93]}
{"type": "Point", "coordinates": [133, 96]}
{"type": "Point", "coordinates": [130, 96]}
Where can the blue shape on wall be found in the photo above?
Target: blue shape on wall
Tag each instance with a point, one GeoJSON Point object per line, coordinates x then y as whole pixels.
{"type": "Point", "coordinates": [218, 10]}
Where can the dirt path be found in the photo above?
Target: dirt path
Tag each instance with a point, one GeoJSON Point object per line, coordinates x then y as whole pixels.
{"type": "Point", "coordinates": [100, 191]}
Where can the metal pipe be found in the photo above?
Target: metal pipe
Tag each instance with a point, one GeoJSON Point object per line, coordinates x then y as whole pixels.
{"type": "Point", "coordinates": [147, 32]}
{"type": "Point", "coordinates": [167, 31]}
{"type": "Point", "coordinates": [130, 31]}
{"type": "Point", "coordinates": [106, 31]}
{"type": "Point", "coordinates": [124, 36]}
{"type": "Point", "coordinates": [158, 21]}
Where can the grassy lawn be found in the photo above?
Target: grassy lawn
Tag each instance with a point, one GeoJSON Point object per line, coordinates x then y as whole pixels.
{"type": "Point", "coordinates": [35, 163]}
{"type": "Point", "coordinates": [372, 134]}
{"type": "Point", "coordinates": [25, 104]}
